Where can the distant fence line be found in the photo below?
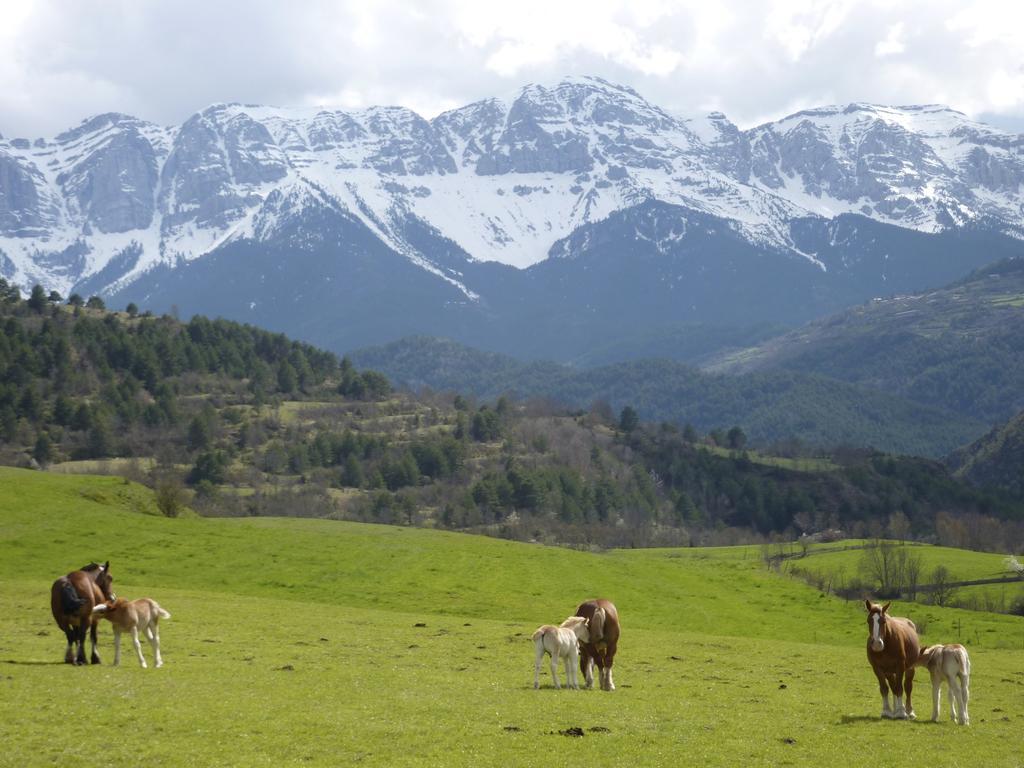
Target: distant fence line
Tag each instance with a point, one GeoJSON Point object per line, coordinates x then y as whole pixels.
{"type": "Point", "coordinates": [974, 583]}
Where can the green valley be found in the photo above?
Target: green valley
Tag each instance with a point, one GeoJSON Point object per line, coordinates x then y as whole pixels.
{"type": "Point", "coordinates": [303, 642]}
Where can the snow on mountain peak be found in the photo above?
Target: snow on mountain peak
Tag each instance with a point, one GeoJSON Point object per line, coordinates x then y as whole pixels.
{"type": "Point", "coordinates": [502, 178]}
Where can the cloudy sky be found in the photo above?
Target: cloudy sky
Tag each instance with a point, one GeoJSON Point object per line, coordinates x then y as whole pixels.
{"type": "Point", "coordinates": [63, 60]}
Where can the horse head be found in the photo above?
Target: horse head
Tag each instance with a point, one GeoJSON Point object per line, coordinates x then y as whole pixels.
{"type": "Point", "coordinates": [877, 617]}
{"type": "Point", "coordinates": [110, 605]}
{"type": "Point", "coordinates": [578, 625]}
{"type": "Point", "coordinates": [105, 582]}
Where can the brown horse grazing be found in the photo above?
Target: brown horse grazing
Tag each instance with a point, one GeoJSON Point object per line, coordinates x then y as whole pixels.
{"type": "Point", "coordinates": [72, 599]}
{"type": "Point", "coordinates": [893, 648]}
{"type": "Point", "coordinates": [603, 626]}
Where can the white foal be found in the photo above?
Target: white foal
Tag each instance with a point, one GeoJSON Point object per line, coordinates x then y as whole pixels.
{"type": "Point", "coordinates": [142, 614]}
{"type": "Point", "coordinates": [949, 662]}
{"type": "Point", "coordinates": [560, 642]}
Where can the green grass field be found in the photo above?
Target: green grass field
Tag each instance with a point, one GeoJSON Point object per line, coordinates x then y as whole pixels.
{"type": "Point", "coordinates": [805, 464]}
{"type": "Point", "coordinates": [296, 642]}
{"type": "Point", "coordinates": [963, 565]}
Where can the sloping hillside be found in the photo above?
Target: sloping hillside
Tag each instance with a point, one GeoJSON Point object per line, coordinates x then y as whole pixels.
{"type": "Point", "coordinates": [997, 459]}
{"type": "Point", "coordinates": [235, 421]}
{"type": "Point", "coordinates": [960, 348]}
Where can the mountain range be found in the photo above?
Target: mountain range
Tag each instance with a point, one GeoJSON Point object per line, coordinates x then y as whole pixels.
{"type": "Point", "coordinates": [546, 224]}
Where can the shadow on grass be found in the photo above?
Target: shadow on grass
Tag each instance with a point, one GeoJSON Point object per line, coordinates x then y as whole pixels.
{"type": "Point", "coordinates": [24, 663]}
{"type": "Point", "coordinates": [851, 719]}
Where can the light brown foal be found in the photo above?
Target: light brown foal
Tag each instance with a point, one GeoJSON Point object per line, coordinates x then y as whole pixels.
{"type": "Point", "coordinates": [142, 614]}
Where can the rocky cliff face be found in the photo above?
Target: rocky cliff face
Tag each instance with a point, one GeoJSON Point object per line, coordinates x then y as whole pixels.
{"type": "Point", "coordinates": [498, 180]}
{"type": "Point", "coordinates": [28, 208]}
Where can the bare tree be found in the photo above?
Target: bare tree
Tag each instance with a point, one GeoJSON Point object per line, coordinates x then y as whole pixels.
{"type": "Point", "coordinates": [899, 526]}
{"type": "Point", "coordinates": [878, 564]}
{"type": "Point", "coordinates": [912, 570]}
{"type": "Point", "coordinates": [942, 589]}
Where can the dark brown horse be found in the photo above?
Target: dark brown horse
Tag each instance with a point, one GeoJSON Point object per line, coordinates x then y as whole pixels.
{"type": "Point", "coordinates": [72, 599]}
{"type": "Point", "coordinates": [603, 626]}
{"type": "Point", "coordinates": [893, 648]}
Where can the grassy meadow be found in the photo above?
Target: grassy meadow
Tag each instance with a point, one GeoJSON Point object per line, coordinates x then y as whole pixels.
{"type": "Point", "coordinates": [309, 642]}
{"type": "Point", "coordinates": [842, 560]}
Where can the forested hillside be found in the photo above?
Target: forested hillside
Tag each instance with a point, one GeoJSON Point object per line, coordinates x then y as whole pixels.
{"type": "Point", "coordinates": [996, 460]}
{"type": "Point", "coordinates": [772, 406]}
{"type": "Point", "coordinates": [232, 420]}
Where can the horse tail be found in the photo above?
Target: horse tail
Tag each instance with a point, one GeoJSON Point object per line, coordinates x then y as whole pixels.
{"type": "Point", "coordinates": [70, 601]}
{"type": "Point", "coordinates": [597, 626]}
{"type": "Point", "coordinates": [539, 633]}
{"type": "Point", "coordinates": [162, 613]}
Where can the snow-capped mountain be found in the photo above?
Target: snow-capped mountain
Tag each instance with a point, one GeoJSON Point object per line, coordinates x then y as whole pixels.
{"type": "Point", "coordinates": [117, 205]}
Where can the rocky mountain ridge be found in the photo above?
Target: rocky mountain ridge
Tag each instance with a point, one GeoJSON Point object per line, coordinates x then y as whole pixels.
{"type": "Point", "coordinates": [514, 181]}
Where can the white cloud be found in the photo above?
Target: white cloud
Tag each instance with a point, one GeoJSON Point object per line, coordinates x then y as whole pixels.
{"type": "Point", "coordinates": [893, 42]}
{"type": "Point", "coordinates": [753, 60]}
{"type": "Point", "coordinates": [799, 25]}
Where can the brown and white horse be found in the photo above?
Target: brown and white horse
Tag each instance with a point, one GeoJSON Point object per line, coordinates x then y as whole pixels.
{"type": "Point", "coordinates": [72, 599]}
{"type": "Point", "coordinates": [603, 625]}
{"type": "Point", "coordinates": [949, 662]}
{"type": "Point", "coordinates": [893, 649]}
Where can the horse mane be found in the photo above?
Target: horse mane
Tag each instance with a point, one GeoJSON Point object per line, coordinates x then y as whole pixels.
{"type": "Point", "coordinates": [91, 567]}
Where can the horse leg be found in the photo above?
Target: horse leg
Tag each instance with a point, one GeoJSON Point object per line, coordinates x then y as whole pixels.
{"type": "Point", "coordinates": [883, 688]}
{"type": "Point", "coordinates": [571, 660]}
{"type": "Point", "coordinates": [138, 646]}
{"type": "Point", "coordinates": [117, 646]}
{"type": "Point", "coordinates": [958, 692]}
{"type": "Point", "coordinates": [611, 682]}
{"type": "Point", "coordinates": [554, 668]}
{"type": "Point", "coordinates": [899, 709]}
{"type": "Point", "coordinates": [587, 664]}
{"type": "Point", "coordinates": [80, 632]}
{"type": "Point", "coordinates": [95, 658]}
{"type": "Point", "coordinates": [936, 694]}
{"type": "Point", "coordinates": [539, 657]}
{"type": "Point", "coordinates": [954, 697]}
{"type": "Point", "coordinates": [69, 654]}
{"type": "Point", "coordinates": [153, 633]}
{"type": "Point", "coordinates": [908, 684]}
{"type": "Point", "coordinates": [965, 694]}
